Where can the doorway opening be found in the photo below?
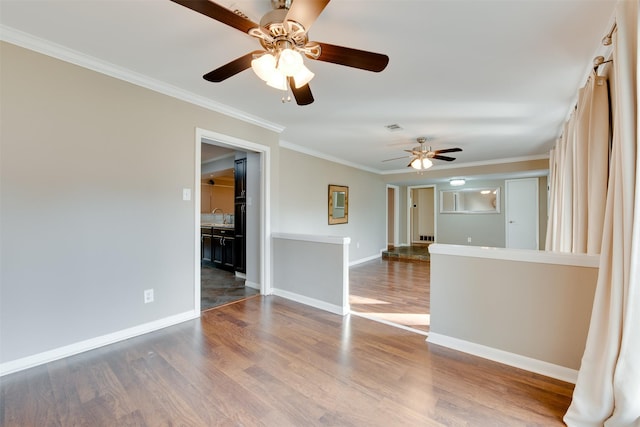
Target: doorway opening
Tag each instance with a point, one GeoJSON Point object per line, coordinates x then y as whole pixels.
{"type": "Point", "coordinates": [223, 272]}
{"type": "Point", "coordinates": [395, 289]}
{"type": "Point", "coordinates": [421, 215]}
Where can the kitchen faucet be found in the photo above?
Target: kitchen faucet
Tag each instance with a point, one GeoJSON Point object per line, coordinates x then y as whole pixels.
{"type": "Point", "coordinates": [217, 209]}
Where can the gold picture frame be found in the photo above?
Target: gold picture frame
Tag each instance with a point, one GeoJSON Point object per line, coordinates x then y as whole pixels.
{"type": "Point", "coordinates": [338, 204]}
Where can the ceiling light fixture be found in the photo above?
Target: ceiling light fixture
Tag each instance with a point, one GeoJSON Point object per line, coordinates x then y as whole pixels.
{"type": "Point", "coordinates": [421, 163]}
{"type": "Point", "coordinates": [456, 182]}
{"type": "Point", "coordinates": [287, 62]}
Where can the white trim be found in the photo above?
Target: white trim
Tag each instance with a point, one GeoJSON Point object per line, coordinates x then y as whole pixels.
{"type": "Point", "coordinates": [522, 255]}
{"type": "Point", "coordinates": [367, 259]}
{"type": "Point", "coordinates": [63, 53]}
{"type": "Point", "coordinates": [265, 200]}
{"type": "Point", "coordinates": [386, 322]}
{"type": "Point", "coordinates": [334, 240]}
{"type": "Point", "coordinates": [314, 153]}
{"type": "Point", "coordinates": [93, 343]}
{"type": "Point", "coordinates": [506, 208]}
{"type": "Point", "coordinates": [533, 365]}
{"type": "Point", "coordinates": [396, 214]}
{"type": "Point", "coordinates": [332, 308]}
{"type": "Point", "coordinates": [471, 164]}
{"type": "Point", "coordinates": [252, 285]}
{"type": "Point", "coordinates": [197, 293]}
{"type": "Point", "coordinates": [345, 278]}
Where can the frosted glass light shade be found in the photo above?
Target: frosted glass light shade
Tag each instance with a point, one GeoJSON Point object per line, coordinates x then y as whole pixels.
{"type": "Point", "coordinates": [289, 62]}
{"type": "Point", "coordinates": [456, 182]}
{"type": "Point", "coordinates": [421, 164]}
{"type": "Point", "coordinates": [277, 80]}
{"type": "Point", "coordinates": [264, 66]}
{"type": "Point", "coordinates": [302, 77]}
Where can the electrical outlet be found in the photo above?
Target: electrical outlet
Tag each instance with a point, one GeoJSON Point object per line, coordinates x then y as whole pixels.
{"type": "Point", "coordinates": [468, 239]}
{"type": "Point", "coordinates": [148, 296]}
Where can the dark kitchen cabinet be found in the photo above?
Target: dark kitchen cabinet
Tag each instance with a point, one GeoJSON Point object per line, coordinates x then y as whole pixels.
{"type": "Point", "coordinates": [223, 241]}
{"type": "Point", "coordinates": [240, 215]}
{"type": "Point", "coordinates": [206, 241]}
{"type": "Point", "coordinates": [240, 243]}
{"type": "Point", "coordinates": [240, 175]}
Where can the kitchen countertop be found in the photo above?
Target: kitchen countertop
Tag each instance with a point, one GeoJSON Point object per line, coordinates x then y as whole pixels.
{"type": "Point", "coordinates": [214, 225]}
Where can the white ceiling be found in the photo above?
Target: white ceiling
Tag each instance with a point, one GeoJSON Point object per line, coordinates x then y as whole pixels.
{"type": "Point", "coordinates": [496, 78]}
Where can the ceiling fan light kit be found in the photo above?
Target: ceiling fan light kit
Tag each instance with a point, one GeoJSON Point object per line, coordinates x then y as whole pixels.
{"type": "Point", "coordinates": [421, 164]}
{"type": "Point", "coordinates": [275, 71]}
{"type": "Point", "coordinates": [421, 156]}
{"type": "Point", "coordinates": [282, 33]}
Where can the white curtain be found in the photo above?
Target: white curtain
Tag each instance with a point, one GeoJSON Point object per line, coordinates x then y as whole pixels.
{"type": "Point", "coordinates": [578, 174]}
{"type": "Point", "coordinates": [608, 388]}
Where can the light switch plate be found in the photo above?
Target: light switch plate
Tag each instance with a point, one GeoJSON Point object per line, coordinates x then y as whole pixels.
{"type": "Point", "coordinates": [186, 194]}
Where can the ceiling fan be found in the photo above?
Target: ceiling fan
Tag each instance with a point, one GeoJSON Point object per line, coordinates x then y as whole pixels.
{"type": "Point", "coordinates": [282, 33]}
{"type": "Point", "coordinates": [421, 156]}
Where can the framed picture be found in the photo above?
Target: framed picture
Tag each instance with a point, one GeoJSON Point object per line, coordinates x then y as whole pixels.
{"type": "Point", "coordinates": [338, 204]}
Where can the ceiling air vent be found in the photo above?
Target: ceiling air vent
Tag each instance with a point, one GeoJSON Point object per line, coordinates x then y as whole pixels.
{"type": "Point", "coordinates": [393, 128]}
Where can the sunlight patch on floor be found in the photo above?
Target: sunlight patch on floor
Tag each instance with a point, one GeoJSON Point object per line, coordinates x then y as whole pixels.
{"type": "Point", "coordinates": [355, 299]}
{"type": "Point", "coordinates": [409, 319]}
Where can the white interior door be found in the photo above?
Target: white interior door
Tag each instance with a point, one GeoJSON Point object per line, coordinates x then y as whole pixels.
{"type": "Point", "coordinates": [521, 213]}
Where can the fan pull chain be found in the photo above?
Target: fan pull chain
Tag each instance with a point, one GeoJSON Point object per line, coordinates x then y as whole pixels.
{"type": "Point", "coordinates": [287, 99]}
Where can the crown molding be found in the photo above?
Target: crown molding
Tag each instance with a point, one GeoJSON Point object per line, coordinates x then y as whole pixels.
{"type": "Point", "coordinates": [314, 153]}
{"type": "Point", "coordinates": [46, 47]}
{"type": "Point", "coordinates": [473, 164]}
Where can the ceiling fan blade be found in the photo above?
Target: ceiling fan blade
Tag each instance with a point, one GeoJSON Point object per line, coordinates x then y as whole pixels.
{"type": "Point", "coordinates": [448, 150]}
{"type": "Point", "coordinates": [352, 57]}
{"type": "Point", "coordinates": [232, 68]}
{"type": "Point", "coordinates": [219, 13]}
{"type": "Point", "coordinates": [395, 158]}
{"type": "Point", "coordinates": [445, 158]}
{"type": "Point", "coordinates": [305, 12]}
{"type": "Point", "coordinates": [302, 94]}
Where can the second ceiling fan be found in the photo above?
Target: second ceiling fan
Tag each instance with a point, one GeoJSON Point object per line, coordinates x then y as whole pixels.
{"type": "Point", "coordinates": [282, 33]}
{"type": "Point", "coordinates": [421, 155]}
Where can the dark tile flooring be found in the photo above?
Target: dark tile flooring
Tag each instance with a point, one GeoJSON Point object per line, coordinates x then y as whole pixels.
{"type": "Point", "coordinates": [416, 252]}
{"type": "Point", "coordinates": [219, 287]}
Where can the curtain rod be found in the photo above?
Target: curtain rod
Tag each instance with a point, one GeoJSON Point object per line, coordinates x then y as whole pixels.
{"type": "Point", "coordinates": [599, 60]}
{"type": "Point", "coordinates": [606, 40]}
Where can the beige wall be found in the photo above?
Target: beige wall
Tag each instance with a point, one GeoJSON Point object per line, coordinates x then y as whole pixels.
{"type": "Point", "coordinates": [92, 172]}
{"type": "Point", "coordinates": [539, 310]}
{"type": "Point", "coordinates": [217, 196]}
{"type": "Point", "coordinates": [304, 204]}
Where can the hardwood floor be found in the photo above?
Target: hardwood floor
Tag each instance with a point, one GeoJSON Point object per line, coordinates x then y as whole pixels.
{"type": "Point", "coordinates": [272, 362]}
{"type": "Point", "coordinates": [392, 290]}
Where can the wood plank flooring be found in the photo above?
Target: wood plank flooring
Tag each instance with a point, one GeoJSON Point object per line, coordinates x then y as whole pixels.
{"type": "Point", "coordinates": [267, 361]}
{"type": "Point", "coordinates": [392, 290]}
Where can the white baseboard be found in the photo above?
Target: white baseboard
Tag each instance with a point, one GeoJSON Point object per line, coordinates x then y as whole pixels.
{"type": "Point", "coordinates": [332, 308]}
{"type": "Point", "coordinates": [505, 357]}
{"type": "Point", "coordinates": [252, 285]}
{"type": "Point", "coordinates": [367, 259]}
{"type": "Point", "coordinates": [93, 343]}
